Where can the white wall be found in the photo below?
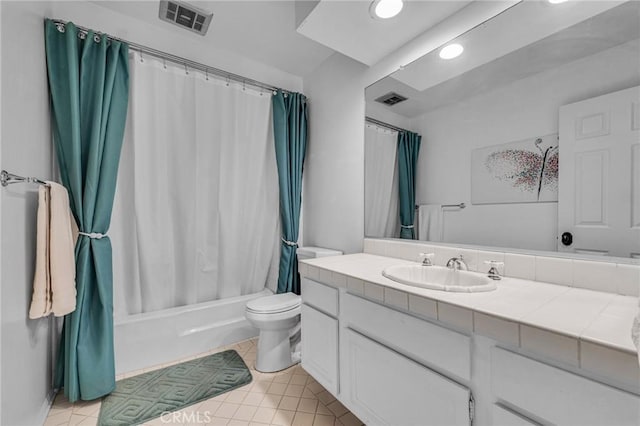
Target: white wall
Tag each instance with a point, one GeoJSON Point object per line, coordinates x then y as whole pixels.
{"type": "Point", "coordinates": [523, 109]}
{"type": "Point", "coordinates": [334, 168]}
{"type": "Point", "coordinates": [25, 148]}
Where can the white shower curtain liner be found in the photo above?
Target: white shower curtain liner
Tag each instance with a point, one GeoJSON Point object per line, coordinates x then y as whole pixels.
{"type": "Point", "coordinates": [196, 211]}
{"type": "Point", "coordinates": [381, 182]}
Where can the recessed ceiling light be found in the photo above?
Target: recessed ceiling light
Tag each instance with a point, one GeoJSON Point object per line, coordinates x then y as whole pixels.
{"type": "Point", "coordinates": [556, 1]}
{"type": "Point", "coordinates": [385, 9]}
{"type": "Point", "coordinates": [451, 51]}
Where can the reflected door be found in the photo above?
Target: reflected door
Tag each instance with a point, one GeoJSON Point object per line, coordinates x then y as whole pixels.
{"type": "Point", "coordinates": [599, 175]}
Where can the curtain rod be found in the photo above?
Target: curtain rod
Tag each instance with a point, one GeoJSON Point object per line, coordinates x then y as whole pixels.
{"type": "Point", "coordinates": [383, 124]}
{"type": "Point", "coordinates": [179, 60]}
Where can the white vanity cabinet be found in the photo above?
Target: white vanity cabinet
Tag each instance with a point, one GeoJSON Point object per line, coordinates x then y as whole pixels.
{"type": "Point", "coordinates": [392, 366]}
{"type": "Point", "coordinates": [320, 333]}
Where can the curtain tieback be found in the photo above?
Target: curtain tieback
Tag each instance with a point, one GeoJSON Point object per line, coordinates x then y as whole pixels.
{"type": "Point", "coordinates": [289, 243]}
{"type": "Point", "coordinates": [93, 235]}
{"type": "Point", "coordinates": [406, 226]}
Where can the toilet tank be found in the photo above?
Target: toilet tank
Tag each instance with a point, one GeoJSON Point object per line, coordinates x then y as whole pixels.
{"type": "Point", "coordinates": [313, 252]}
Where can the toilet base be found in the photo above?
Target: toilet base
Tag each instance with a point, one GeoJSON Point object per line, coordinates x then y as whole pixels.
{"type": "Point", "coordinates": [274, 351]}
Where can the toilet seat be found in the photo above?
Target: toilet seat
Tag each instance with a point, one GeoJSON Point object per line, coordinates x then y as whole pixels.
{"type": "Point", "coordinates": [274, 304]}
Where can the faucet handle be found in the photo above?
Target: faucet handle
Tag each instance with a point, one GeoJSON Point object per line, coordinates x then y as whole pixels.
{"type": "Point", "coordinates": [493, 273]}
{"type": "Point", "coordinates": [427, 258]}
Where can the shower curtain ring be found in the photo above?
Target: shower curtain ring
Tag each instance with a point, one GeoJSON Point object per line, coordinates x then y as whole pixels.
{"type": "Point", "coordinates": [186, 70]}
{"type": "Point", "coordinates": [164, 63]}
{"type": "Point", "coordinates": [141, 57]}
{"type": "Point", "coordinates": [206, 73]}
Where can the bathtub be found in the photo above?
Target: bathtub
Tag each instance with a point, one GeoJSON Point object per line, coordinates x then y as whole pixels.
{"type": "Point", "coordinates": [152, 338]}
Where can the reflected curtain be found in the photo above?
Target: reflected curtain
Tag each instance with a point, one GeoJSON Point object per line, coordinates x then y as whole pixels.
{"type": "Point", "coordinates": [290, 132]}
{"type": "Point", "coordinates": [408, 150]}
{"type": "Point", "coordinates": [381, 182]}
{"type": "Point", "coordinates": [89, 87]}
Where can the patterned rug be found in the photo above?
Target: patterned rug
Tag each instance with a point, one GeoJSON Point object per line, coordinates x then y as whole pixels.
{"type": "Point", "coordinates": [149, 395]}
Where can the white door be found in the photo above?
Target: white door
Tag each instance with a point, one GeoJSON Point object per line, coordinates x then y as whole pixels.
{"type": "Point", "coordinates": [599, 175]}
{"type": "Point", "coordinates": [383, 387]}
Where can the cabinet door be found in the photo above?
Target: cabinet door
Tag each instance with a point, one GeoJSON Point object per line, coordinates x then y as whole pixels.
{"type": "Point", "coordinates": [320, 347]}
{"type": "Point", "coordinates": [383, 387]}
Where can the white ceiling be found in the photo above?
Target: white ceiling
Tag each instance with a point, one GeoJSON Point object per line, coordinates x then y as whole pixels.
{"type": "Point", "coordinates": [270, 32]}
{"type": "Point", "coordinates": [264, 31]}
{"type": "Point", "coordinates": [486, 68]}
{"type": "Point", "coordinates": [348, 28]}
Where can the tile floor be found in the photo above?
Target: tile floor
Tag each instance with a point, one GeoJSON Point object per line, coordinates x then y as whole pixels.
{"type": "Point", "coordinates": [287, 398]}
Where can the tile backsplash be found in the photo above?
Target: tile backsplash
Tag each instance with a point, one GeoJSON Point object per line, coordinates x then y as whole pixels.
{"type": "Point", "coordinates": [609, 277]}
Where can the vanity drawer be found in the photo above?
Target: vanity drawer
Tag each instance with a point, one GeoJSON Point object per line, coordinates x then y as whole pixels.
{"type": "Point", "coordinates": [558, 396]}
{"type": "Point", "coordinates": [435, 346]}
{"type": "Point", "coordinates": [320, 296]}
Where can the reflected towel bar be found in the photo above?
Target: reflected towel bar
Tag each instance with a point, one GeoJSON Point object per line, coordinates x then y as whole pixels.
{"type": "Point", "coordinates": [7, 178]}
{"type": "Point", "coordinates": [458, 206]}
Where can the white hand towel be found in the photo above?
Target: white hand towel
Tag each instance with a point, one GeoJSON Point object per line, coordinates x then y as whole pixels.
{"type": "Point", "coordinates": [62, 262]}
{"type": "Point", "coordinates": [430, 222]}
{"type": "Point", "coordinates": [54, 285]}
{"type": "Point", "coordinates": [41, 297]}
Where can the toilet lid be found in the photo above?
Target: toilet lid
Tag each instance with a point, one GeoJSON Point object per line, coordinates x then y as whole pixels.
{"type": "Point", "coordinates": [276, 303]}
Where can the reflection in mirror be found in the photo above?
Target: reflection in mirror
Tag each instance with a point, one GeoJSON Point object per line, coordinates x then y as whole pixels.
{"type": "Point", "coordinates": [535, 127]}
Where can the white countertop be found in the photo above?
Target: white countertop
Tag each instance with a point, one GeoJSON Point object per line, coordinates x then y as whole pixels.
{"type": "Point", "coordinates": [592, 316]}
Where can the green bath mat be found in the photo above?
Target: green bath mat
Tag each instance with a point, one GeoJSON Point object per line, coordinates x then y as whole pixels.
{"type": "Point", "coordinates": [149, 395]}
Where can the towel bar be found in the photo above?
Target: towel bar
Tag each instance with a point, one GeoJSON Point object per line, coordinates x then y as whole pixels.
{"type": "Point", "coordinates": [7, 178]}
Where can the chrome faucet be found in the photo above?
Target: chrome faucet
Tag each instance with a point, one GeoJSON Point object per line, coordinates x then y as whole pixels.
{"type": "Point", "coordinates": [427, 261]}
{"type": "Point", "coordinates": [457, 264]}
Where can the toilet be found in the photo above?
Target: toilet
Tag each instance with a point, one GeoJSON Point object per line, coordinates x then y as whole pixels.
{"type": "Point", "coordinates": [278, 319]}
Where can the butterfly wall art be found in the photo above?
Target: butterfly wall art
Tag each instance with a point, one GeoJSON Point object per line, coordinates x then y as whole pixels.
{"type": "Point", "coordinates": [524, 171]}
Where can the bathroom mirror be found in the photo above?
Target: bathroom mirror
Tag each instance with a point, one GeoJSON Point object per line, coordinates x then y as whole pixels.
{"type": "Point", "coordinates": [534, 127]}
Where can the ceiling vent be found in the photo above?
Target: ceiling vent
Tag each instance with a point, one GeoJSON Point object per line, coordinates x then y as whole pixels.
{"type": "Point", "coordinates": [185, 16]}
{"type": "Point", "coordinates": [391, 99]}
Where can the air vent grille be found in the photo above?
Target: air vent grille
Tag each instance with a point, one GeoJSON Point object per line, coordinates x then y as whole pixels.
{"type": "Point", "coordinates": [391, 99]}
{"type": "Point", "coordinates": [185, 15]}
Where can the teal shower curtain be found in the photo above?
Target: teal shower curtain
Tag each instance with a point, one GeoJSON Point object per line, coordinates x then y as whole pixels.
{"type": "Point", "coordinates": [408, 150]}
{"type": "Point", "coordinates": [89, 88]}
{"type": "Point", "coordinates": [290, 134]}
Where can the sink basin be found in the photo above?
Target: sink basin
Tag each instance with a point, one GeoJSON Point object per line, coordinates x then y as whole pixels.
{"type": "Point", "coordinates": [439, 278]}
